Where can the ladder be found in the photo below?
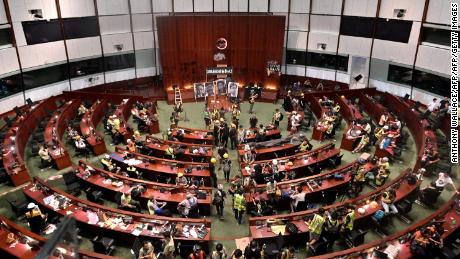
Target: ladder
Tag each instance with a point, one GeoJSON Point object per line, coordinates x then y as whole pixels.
{"type": "Point", "coordinates": [177, 95]}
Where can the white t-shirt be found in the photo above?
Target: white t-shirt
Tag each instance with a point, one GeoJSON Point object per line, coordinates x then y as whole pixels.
{"type": "Point", "coordinates": [443, 180]}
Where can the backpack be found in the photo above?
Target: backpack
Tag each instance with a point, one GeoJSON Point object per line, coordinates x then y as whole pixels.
{"type": "Point", "coordinates": [281, 117]}
{"type": "Point", "coordinates": [379, 214]}
{"type": "Point", "coordinates": [217, 199]}
{"type": "Point", "coordinates": [292, 228]}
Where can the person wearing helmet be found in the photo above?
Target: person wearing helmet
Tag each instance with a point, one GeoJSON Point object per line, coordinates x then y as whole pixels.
{"type": "Point", "coordinates": [227, 167]}
{"type": "Point", "coordinates": [197, 253]}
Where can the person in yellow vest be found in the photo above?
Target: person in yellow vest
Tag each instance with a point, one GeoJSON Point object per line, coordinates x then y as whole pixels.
{"type": "Point", "coordinates": [169, 153]}
{"type": "Point", "coordinates": [130, 145]}
{"type": "Point", "coordinates": [348, 221]}
{"type": "Point", "coordinates": [107, 163]}
{"type": "Point", "coordinates": [305, 146]}
{"type": "Point", "coordinates": [116, 123]}
{"type": "Point", "coordinates": [137, 138]}
{"type": "Point", "coordinates": [181, 180]}
{"type": "Point", "coordinates": [315, 227]}
{"type": "Point", "coordinates": [44, 156]}
{"type": "Point", "coordinates": [239, 206]}
{"type": "Point", "coordinates": [132, 171]}
{"type": "Point", "coordinates": [82, 110]}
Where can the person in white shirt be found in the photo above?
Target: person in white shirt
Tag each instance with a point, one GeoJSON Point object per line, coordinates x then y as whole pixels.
{"type": "Point", "coordinates": [443, 180]}
{"type": "Point", "coordinates": [433, 105]}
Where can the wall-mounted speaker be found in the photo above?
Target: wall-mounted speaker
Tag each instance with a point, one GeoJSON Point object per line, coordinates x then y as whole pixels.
{"type": "Point", "coordinates": [322, 46]}
{"type": "Point", "coordinates": [358, 77]}
{"type": "Point", "coordinates": [399, 13]}
{"type": "Point", "coordinates": [118, 47]}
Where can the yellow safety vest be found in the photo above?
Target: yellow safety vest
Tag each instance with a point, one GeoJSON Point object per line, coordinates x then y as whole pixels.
{"type": "Point", "coordinates": [239, 202]}
{"type": "Point", "coordinates": [316, 225]}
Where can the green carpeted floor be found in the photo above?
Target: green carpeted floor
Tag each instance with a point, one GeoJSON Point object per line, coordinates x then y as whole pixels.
{"type": "Point", "coordinates": [224, 231]}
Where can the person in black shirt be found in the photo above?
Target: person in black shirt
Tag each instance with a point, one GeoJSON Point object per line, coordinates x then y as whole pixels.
{"type": "Point", "coordinates": [252, 251]}
{"type": "Point", "coordinates": [287, 105]}
{"type": "Point", "coordinates": [253, 122]}
{"type": "Point", "coordinates": [224, 135]}
{"type": "Point", "coordinates": [215, 133]}
{"type": "Point", "coordinates": [233, 133]}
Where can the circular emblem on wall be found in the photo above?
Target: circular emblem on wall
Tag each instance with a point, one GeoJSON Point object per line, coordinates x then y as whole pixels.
{"type": "Point", "coordinates": [221, 43]}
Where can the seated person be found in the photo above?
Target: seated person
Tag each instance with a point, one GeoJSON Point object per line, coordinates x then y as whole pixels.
{"type": "Point", "coordinates": [181, 180]}
{"type": "Point", "coordinates": [387, 201]}
{"type": "Point", "coordinates": [157, 208]}
{"type": "Point", "coordinates": [80, 144]}
{"type": "Point", "coordinates": [363, 142]}
{"type": "Point", "coordinates": [126, 202]}
{"type": "Point", "coordinates": [44, 157]}
{"type": "Point", "coordinates": [106, 162]}
{"type": "Point", "coordinates": [305, 146]}
{"type": "Point", "coordinates": [137, 138]}
{"type": "Point", "coordinates": [353, 133]}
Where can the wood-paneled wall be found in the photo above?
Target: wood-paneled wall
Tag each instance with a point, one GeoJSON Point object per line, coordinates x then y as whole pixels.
{"type": "Point", "coordinates": [188, 44]}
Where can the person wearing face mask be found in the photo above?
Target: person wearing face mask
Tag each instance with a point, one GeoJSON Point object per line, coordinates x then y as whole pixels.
{"type": "Point", "coordinates": [252, 251]}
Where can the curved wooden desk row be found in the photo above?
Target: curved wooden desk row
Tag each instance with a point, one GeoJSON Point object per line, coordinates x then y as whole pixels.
{"type": "Point", "coordinates": [403, 190]}
{"type": "Point", "coordinates": [314, 157]}
{"type": "Point", "coordinates": [89, 124]}
{"type": "Point", "coordinates": [446, 214]}
{"type": "Point", "coordinates": [25, 251]}
{"type": "Point", "coordinates": [123, 111]}
{"type": "Point", "coordinates": [111, 184]}
{"type": "Point", "coordinates": [323, 182]}
{"type": "Point", "coordinates": [58, 124]}
{"type": "Point", "coordinates": [158, 148]}
{"type": "Point", "coordinates": [195, 136]}
{"type": "Point", "coordinates": [159, 169]}
{"type": "Point", "coordinates": [114, 226]}
{"type": "Point", "coordinates": [413, 123]}
{"type": "Point", "coordinates": [285, 149]}
{"type": "Point", "coordinates": [269, 135]}
{"type": "Point", "coordinates": [17, 137]}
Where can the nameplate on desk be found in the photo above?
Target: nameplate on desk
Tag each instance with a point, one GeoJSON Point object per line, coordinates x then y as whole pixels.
{"type": "Point", "coordinates": [219, 70]}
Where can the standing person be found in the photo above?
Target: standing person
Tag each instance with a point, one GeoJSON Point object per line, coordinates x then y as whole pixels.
{"type": "Point", "coordinates": [315, 227]}
{"type": "Point", "coordinates": [220, 252]}
{"type": "Point", "coordinates": [207, 118]}
{"type": "Point", "coordinates": [252, 100]}
{"type": "Point", "coordinates": [348, 221]}
{"type": "Point", "coordinates": [224, 135]}
{"type": "Point", "coordinates": [233, 136]}
{"type": "Point", "coordinates": [253, 251]}
{"type": "Point", "coordinates": [239, 206]}
{"type": "Point", "coordinates": [331, 228]}
{"type": "Point", "coordinates": [219, 200]}
{"type": "Point", "coordinates": [212, 169]}
{"type": "Point", "coordinates": [241, 133]}
{"type": "Point", "coordinates": [227, 167]}
{"type": "Point", "coordinates": [215, 132]}
{"type": "Point", "coordinates": [277, 117]}
{"type": "Point", "coordinates": [287, 105]}
{"type": "Point", "coordinates": [168, 246]}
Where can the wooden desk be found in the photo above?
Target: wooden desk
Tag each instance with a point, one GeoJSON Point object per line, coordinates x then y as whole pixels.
{"type": "Point", "coordinates": [285, 149]}
{"type": "Point", "coordinates": [196, 136]}
{"type": "Point", "coordinates": [23, 251]}
{"type": "Point", "coordinates": [311, 195]}
{"type": "Point", "coordinates": [90, 120]}
{"type": "Point", "coordinates": [158, 148]}
{"type": "Point", "coordinates": [121, 232]}
{"type": "Point", "coordinates": [17, 137]}
{"type": "Point", "coordinates": [269, 135]}
{"type": "Point", "coordinates": [403, 189]}
{"type": "Point", "coordinates": [157, 169]}
{"type": "Point", "coordinates": [58, 122]}
{"type": "Point", "coordinates": [317, 156]}
{"type": "Point", "coordinates": [445, 213]}
{"type": "Point", "coordinates": [169, 193]}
